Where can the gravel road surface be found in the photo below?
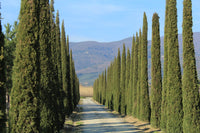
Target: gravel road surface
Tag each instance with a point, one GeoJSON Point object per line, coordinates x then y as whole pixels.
{"type": "Point", "coordinates": [97, 119]}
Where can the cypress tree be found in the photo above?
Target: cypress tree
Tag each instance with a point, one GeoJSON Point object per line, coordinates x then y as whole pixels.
{"type": "Point", "coordinates": [77, 90]}
{"type": "Point", "coordinates": [156, 79]}
{"type": "Point", "coordinates": [135, 76]}
{"type": "Point", "coordinates": [139, 74]}
{"type": "Point", "coordinates": [58, 49]}
{"type": "Point", "coordinates": [47, 114]}
{"type": "Point", "coordinates": [163, 121]}
{"type": "Point", "coordinates": [72, 76]}
{"type": "Point", "coordinates": [68, 75]}
{"type": "Point", "coordinates": [128, 90]}
{"type": "Point", "coordinates": [111, 86]}
{"type": "Point", "coordinates": [122, 80]}
{"type": "Point", "coordinates": [144, 99]}
{"type": "Point", "coordinates": [117, 81]}
{"type": "Point", "coordinates": [65, 80]}
{"type": "Point", "coordinates": [104, 87]}
{"type": "Point", "coordinates": [2, 83]}
{"type": "Point", "coordinates": [108, 93]}
{"type": "Point", "coordinates": [191, 100]}
{"type": "Point", "coordinates": [24, 108]}
{"type": "Point", "coordinates": [174, 92]}
{"type": "Point", "coordinates": [130, 85]}
{"type": "Point", "coordinates": [74, 88]}
{"type": "Point", "coordinates": [54, 71]}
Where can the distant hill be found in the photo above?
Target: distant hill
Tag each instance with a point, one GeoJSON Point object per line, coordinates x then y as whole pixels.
{"type": "Point", "coordinates": [91, 58]}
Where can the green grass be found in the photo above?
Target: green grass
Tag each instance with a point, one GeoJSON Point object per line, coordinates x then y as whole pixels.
{"type": "Point", "coordinates": [79, 123]}
{"type": "Point", "coordinates": [69, 122]}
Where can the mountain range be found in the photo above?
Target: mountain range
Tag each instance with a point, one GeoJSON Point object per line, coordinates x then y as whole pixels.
{"type": "Point", "coordinates": [91, 58]}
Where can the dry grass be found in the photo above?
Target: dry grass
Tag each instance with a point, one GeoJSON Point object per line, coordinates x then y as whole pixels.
{"type": "Point", "coordinates": [141, 125]}
{"type": "Point", "coordinates": [86, 91]}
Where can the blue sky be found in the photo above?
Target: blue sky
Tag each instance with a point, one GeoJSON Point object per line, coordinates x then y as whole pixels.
{"type": "Point", "coordinates": [105, 20]}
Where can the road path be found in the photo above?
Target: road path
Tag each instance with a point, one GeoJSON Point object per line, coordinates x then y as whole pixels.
{"type": "Point", "coordinates": [97, 119]}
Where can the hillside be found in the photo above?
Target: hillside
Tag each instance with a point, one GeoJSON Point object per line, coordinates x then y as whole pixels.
{"type": "Point", "coordinates": [91, 58]}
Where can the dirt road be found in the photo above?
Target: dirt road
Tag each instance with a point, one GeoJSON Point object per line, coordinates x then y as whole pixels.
{"type": "Point", "coordinates": [97, 119]}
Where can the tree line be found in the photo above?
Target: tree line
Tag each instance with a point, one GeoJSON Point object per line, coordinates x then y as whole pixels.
{"type": "Point", "coordinates": [173, 103]}
{"type": "Point", "coordinates": [37, 71]}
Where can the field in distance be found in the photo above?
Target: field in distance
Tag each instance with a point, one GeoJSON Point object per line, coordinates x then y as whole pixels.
{"type": "Point", "coordinates": [86, 91]}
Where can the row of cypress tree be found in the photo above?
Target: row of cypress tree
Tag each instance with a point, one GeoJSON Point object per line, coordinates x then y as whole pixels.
{"type": "Point", "coordinates": [45, 85]}
{"type": "Point", "coordinates": [174, 103]}
{"type": "Point", "coordinates": [123, 87]}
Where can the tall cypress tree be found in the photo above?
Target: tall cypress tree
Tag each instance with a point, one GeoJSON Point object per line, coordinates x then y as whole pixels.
{"type": "Point", "coordinates": [139, 74]}
{"type": "Point", "coordinates": [117, 81]}
{"type": "Point", "coordinates": [2, 83]}
{"type": "Point", "coordinates": [24, 108]}
{"type": "Point", "coordinates": [130, 85]}
{"type": "Point", "coordinates": [174, 92]}
{"type": "Point", "coordinates": [65, 79]}
{"type": "Point", "coordinates": [144, 99]}
{"type": "Point", "coordinates": [72, 76]}
{"type": "Point", "coordinates": [135, 76]}
{"type": "Point", "coordinates": [156, 79]}
{"type": "Point", "coordinates": [68, 78]}
{"type": "Point", "coordinates": [122, 80]}
{"type": "Point", "coordinates": [58, 49]}
{"type": "Point", "coordinates": [163, 121]}
{"type": "Point", "coordinates": [48, 113]}
{"type": "Point", "coordinates": [54, 70]}
{"type": "Point", "coordinates": [128, 89]}
{"type": "Point", "coordinates": [191, 100]}
{"type": "Point", "coordinates": [73, 80]}
{"type": "Point", "coordinates": [105, 88]}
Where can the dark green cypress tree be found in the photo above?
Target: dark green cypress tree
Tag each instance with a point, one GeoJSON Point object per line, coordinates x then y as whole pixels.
{"type": "Point", "coordinates": [58, 49]}
{"type": "Point", "coordinates": [24, 108]}
{"type": "Point", "coordinates": [156, 79]}
{"type": "Point", "coordinates": [122, 80]}
{"type": "Point", "coordinates": [191, 100]}
{"type": "Point", "coordinates": [2, 83]}
{"type": "Point", "coordinates": [54, 70]}
{"type": "Point", "coordinates": [68, 75]}
{"type": "Point", "coordinates": [117, 81]}
{"type": "Point", "coordinates": [128, 90]}
{"type": "Point", "coordinates": [135, 76]}
{"type": "Point", "coordinates": [74, 85]}
{"type": "Point", "coordinates": [65, 80]}
{"type": "Point", "coordinates": [144, 98]}
{"type": "Point", "coordinates": [174, 92]}
{"type": "Point", "coordinates": [163, 121]}
{"type": "Point", "coordinates": [48, 114]}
